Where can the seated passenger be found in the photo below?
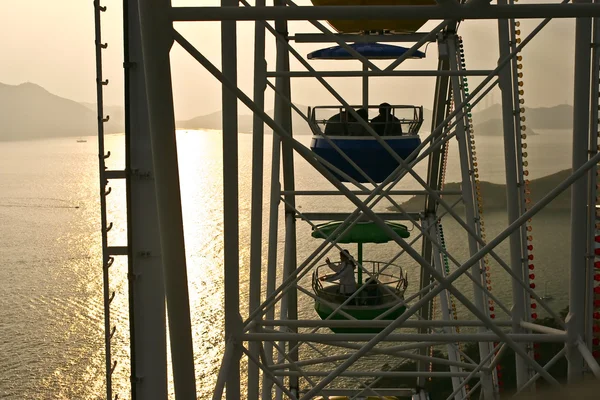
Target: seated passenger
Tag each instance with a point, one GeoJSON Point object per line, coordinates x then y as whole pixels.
{"type": "Point", "coordinates": [386, 124]}
{"type": "Point", "coordinates": [354, 126]}
{"type": "Point", "coordinates": [337, 125]}
{"type": "Point", "coordinates": [373, 293]}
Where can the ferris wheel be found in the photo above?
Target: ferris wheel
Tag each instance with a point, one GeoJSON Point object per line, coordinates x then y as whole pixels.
{"type": "Point", "coordinates": [387, 323]}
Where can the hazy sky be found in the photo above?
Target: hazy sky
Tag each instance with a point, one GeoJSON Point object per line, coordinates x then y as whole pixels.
{"type": "Point", "coordinates": [52, 44]}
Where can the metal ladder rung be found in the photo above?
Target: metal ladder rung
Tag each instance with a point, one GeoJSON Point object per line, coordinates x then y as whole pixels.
{"type": "Point", "coordinates": [115, 174]}
{"type": "Point", "coordinates": [118, 250]}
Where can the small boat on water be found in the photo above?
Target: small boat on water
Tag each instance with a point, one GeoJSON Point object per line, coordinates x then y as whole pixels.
{"type": "Point", "coordinates": [546, 296]}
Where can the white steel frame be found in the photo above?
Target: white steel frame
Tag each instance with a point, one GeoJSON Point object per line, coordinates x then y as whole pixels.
{"type": "Point", "coordinates": [272, 345]}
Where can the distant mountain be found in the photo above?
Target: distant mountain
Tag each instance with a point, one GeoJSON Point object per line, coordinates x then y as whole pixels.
{"type": "Point", "coordinates": [556, 117]}
{"type": "Point", "coordinates": [493, 127]}
{"type": "Point", "coordinates": [28, 111]}
{"type": "Point", "coordinates": [116, 114]}
{"type": "Point", "coordinates": [492, 112]}
{"type": "Point", "coordinates": [488, 121]}
{"type": "Point", "coordinates": [494, 195]}
{"type": "Point", "coordinates": [245, 122]}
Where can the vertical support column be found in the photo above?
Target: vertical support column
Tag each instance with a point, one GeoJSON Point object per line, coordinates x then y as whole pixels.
{"type": "Point", "coordinates": [267, 383]}
{"type": "Point", "coordinates": [155, 26]}
{"type": "Point", "coordinates": [434, 171]}
{"type": "Point", "coordinates": [444, 301]}
{"type": "Point", "coordinates": [233, 323]}
{"type": "Point", "coordinates": [365, 88]}
{"type": "Point", "coordinates": [283, 116]}
{"type": "Point", "coordinates": [581, 110]}
{"type": "Point", "coordinates": [147, 316]}
{"type": "Point", "coordinates": [593, 182]}
{"type": "Point", "coordinates": [512, 193]}
{"type": "Point", "coordinates": [260, 76]}
{"type": "Point", "coordinates": [467, 190]}
{"type": "Point", "coordinates": [98, 9]}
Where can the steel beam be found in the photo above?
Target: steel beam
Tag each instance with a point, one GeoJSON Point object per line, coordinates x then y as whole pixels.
{"type": "Point", "coordinates": [406, 337]}
{"type": "Point", "coordinates": [389, 38]}
{"type": "Point", "coordinates": [333, 216]}
{"type": "Point", "coordinates": [283, 117]}
{"type": "Point", "coordinates": [231, 245]}
{"type": "Point", "coordinates": [444, 283]}
{"type": "Point", "coordinates": [147, 317]}
{"type": "Point", "coordinates": [445, 306]}
{"type": "Point", "coordinates": [370, 73]}
{"type": "Point", "coordinates": [378, 323]}
{"type": "Point", "coordinates": [512, 191]}
{"type": "Point", "coordinates": [155, 28]}
{"type": "Point", "coordinates": [593, 183]}
{"type": "Point", "coordinates": [581, 121]}
{"type": "Point", "coordinates": [106, 253]}
{"type": "Point", "coordinates": [303, 13]}
{"type": "Point", "coordinates": [254, 292]}
{"type": "Point", "coordinates": [366, 193]}
{"type": "Point", "coordinates": [466, 168]}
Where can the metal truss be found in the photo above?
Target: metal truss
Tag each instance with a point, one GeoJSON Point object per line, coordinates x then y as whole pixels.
{"type": "Point", "coordinates": [299, 358]}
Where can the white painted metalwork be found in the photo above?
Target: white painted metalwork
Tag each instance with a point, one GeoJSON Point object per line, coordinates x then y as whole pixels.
{"type": "Point", "coordinates": [287, 355]}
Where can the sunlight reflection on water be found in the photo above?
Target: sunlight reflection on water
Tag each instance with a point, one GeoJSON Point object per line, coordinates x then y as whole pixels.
{"type": "Point", "coordinates": [51, 314]}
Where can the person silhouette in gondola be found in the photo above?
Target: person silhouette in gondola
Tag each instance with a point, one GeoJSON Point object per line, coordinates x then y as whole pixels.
{"type": "Point", "coordinates": [354, 126]}
{"type": "Point", "coordinates": [386, 124]}
{"type": "Point", "coordinates": [337, 125]}
{"type": "Point", "coordinates": [344, 273]}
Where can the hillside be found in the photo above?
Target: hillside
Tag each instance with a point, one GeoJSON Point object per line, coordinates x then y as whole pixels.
{"type": "Point", "coordinates": [28, 111]}
{"type": "Point", "coordinates": [494, 195]}
{"type": "Point", "coordinates": [488, 121]}
{"type": "Point", "coordinates": [493, 127]}
{"type": "Point", "coordinates": [245, 122]}
{"type": "Point", "coordinates": [556, 117]}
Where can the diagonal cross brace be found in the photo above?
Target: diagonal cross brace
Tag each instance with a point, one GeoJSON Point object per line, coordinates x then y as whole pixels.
{"type": "Point", "coordinates": [444, 283]}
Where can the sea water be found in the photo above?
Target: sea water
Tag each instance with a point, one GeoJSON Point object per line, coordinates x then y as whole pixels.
{"type": "Point", "coordinates": [51, 309]}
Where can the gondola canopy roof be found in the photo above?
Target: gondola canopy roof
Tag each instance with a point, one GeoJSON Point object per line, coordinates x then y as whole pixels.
{"type": "Point", "coordinates": [362, 232]}
{"type": "Point", "coordinates": [372, 51]}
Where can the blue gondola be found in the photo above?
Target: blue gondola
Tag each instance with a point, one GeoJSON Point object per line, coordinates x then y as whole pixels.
{"type": "Point", "coordinates": [342, 141]}
{"type": "Point", "coordinates": [366, 152]}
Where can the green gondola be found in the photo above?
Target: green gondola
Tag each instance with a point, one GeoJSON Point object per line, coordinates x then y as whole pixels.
{"type": "Point", "coordinates": [382, 295]}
